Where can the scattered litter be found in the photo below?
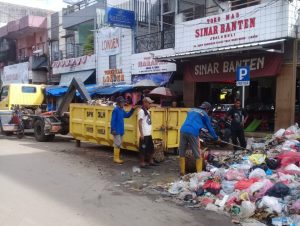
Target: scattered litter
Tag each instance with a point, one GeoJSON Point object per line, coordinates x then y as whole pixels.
{"type": "Point", "coordinates": [258, 188]}
{"type": "Point", "coordinates": [136, 169]}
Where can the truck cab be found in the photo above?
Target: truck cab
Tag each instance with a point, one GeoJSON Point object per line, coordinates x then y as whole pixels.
{"type": "Point", "coordinates": [26, 95]}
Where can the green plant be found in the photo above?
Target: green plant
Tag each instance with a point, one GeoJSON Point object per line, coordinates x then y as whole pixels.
{"type": "Point", "coordinates": [88, 47]}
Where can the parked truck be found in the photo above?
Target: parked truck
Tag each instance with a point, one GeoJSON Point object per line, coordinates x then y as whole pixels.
{"type": "Point", "coordinates": [28, 98]}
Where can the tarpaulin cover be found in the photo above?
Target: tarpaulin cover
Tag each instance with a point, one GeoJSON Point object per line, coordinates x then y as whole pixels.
{"type": "Point", "coordinates": [223, 69]}
{"type": "Point", "coordinates": [158, 78]}
{"type": "Point", "coordinates": [111, 90]}
{"type": "Point", "coordinates": [58, 91]}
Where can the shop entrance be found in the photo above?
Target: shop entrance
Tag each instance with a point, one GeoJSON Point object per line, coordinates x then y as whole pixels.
{"type": "Point", "coordinates": [259, 101]}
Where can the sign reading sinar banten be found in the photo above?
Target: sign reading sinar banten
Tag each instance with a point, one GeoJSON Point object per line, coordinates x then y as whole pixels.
{"type": "Point", "coordinates": [248, 25]}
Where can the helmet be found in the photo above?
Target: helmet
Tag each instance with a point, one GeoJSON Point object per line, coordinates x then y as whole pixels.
{"type": "Point", "coordinates": [205, 105]}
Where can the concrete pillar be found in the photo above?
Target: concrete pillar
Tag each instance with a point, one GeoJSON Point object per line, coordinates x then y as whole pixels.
{"type": "Point", "coordinates": [189, 89]}
{"type": "Point", "coordinates": [285, 97]}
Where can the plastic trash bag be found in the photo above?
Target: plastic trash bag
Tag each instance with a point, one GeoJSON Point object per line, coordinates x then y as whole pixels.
{"type": "Point", "coordinates": [270, 204]}
{"type": "Point", "coordinates": [213, 187]}
{"type": "Point", "coordinates": [279, 190]}
{"type": "Point", "coordinates": [246, 183]}
{"type": "Point", "coordinates": [273, 163]}
{"type": "Point", "coordinates": [280, 221]}
{"type": "Point", "coordinates": [177, 187]}
{"type": "Point", "coordinates": [259, 189]}
{"type": "Point", "coordinates": [296, 206]}
{"type": "Point", "coordinates": [288, 158]}
{"type": "Point", "coordinates": [234, 174]}
{"type": "Point", "coordinates": [250, 141]}
{"type": "Point", "coordinates": [247, 209]}
{"type": "Point", "coordinates": [279, 133]}
{"type": "Point", "coordinates": [257, 159]}
{"type": "Point", "coordinates": [228, 186]}
{"type": "Point", "coordinates": [288, 145]}
{"type": "Point", "coordinates": [257, 173]}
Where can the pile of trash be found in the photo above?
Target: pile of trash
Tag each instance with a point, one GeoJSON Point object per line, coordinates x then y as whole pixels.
{"type": "Point", "coordinates": [101, 102]}
{"type": "Point", "coordinates": [263, 184]}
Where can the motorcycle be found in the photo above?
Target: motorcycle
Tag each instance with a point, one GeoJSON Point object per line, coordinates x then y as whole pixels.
{"type": "Point", "coordinates": [14, 125]}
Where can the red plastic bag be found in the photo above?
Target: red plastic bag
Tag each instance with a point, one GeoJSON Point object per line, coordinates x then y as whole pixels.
{"type": "Point", "coordinates": [244, 184]}
{"type": "Point", "coordinates": [288, 158]}
{"type": "Point", "coordinates": [212, 186]}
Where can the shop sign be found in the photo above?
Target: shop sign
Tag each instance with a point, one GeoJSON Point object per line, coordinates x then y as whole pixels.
{"type": "Point", "coordinates": [74, 64]}
{"type": "Point", "coordinates": [247, 25]}
{"type": "Point", "coordinates": [113, 76]}
{"type": "Point", "coordinates": [120, 17]}
{"type": "Point", "coordinates": [109, 41]}
{"type": "Point", "coordinates": [221, 69]}
{"type": "Point", "coordinates": [16, 73]}
{"type": "Point", "coordinates": [144, 63]}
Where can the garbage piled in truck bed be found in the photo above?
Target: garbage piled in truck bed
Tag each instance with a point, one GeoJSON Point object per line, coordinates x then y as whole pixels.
{"type": "Point", "coordinates": [101, 102]}
{"type": "Point", "coordinates": [263, 184]}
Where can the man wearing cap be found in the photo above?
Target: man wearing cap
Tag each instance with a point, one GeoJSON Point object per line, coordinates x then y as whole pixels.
{"type": "Point", "coordinates": [197, 118]}
{"type": "Point", "coordinates": [117, 126]}
{"type": "Point", "coordinates": [145, 128]}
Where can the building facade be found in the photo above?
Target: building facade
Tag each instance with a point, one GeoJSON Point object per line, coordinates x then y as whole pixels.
{"type": "Point", "coordinates": [259, 34]}
{"type": "Point", "coordinates": [28, 38]}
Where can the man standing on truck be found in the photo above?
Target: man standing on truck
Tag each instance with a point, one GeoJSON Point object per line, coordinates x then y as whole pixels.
{"type": "Point", "coordinates": [239, 117]}
{"type": "Point", "coordinates": [117, 126]}
{"type": "Point", "coordinates": [145, 127]}
{"type": "Point", "coordinates": [197, 118]}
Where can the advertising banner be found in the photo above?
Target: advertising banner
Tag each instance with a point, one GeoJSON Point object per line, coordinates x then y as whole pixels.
{"type": "Point", "coordinates": [109, 41]}
{"type": "Point", "coordinates": [258, 23]}
{"type": "Point", "coordinates": [16, 73]}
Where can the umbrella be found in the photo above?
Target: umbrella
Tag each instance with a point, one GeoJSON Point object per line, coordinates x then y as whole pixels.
{"type": "Point", "coordinates": [162, 91]}
{"type": "Point", "coordinates": [145, 83]}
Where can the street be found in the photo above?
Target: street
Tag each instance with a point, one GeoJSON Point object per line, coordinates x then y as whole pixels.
{"type": "Point", "coordinates": [59, 184]}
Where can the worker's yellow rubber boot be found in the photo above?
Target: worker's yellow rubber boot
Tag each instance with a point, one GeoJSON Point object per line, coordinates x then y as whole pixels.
{"type": "Point", "coordinates": [199, 165]}
{"type": "Point", "coordinates": [117, 156]}
{"type": "Point", "coordinates": [182, 166]}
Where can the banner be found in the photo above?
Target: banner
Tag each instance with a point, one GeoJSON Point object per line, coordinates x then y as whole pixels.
{"type": "Point", "coordinates": [16, 73]}
{"type": "Point", "coordinates": [223, 69]}
{"type": "Point", "coordinates": [258, 23]}
{"type": "Point", "coordinates": [109, 41]}
{"type": "Point", "coordinates": [145, 63]}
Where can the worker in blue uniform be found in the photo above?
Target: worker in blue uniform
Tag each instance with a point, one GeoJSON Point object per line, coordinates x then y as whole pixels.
{"type": "Point", "coordinates": [197, 119]}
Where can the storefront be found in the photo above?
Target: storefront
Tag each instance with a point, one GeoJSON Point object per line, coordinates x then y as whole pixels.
{"type": "Point", "coordinates": [211, 48]}
{"type": "Point", "coordinates": [214, 81]}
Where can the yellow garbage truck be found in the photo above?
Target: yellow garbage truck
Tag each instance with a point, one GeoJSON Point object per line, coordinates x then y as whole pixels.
{"type": "Point", "coordinates": [92, 124]}
{"type": "Point", "coordinates": [18, 97]}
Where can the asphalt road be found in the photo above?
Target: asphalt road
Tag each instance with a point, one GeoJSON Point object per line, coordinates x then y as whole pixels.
{"type": "Point", "coordinates": [46, 184]}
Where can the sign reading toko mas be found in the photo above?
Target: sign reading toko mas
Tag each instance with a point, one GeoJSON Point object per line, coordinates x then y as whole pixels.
{"type": "Point", "coordinates": [120, 17]}
{"type": "Point", "coordinates": [247, 25]}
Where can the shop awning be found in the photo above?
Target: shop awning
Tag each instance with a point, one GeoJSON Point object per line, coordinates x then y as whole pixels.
{"type": "Point", "coordinates": [57, 91]}
{"type": "Point", "coordinates": [158, 78]}
{"type": "Point", "coordinates": [235, 48]}
{"type": "Point", "coordinates": [111, 90]}
{"type": "Point", "coordinates": [80, 75]}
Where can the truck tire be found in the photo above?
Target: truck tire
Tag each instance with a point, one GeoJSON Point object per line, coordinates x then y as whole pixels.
{"type": "Point", "coordinates": [50, 137]}
{"type": "Point", "coordinates": [39, 131]}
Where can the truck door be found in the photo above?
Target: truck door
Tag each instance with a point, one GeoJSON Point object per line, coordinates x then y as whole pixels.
{"type": "Point", "coordinates": [4, 98]}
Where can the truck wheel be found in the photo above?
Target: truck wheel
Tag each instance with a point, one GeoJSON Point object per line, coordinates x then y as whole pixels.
{"type": "Point", "coordinates": [39, 131]}
{"type": "Point", "coordinates": [50, 137]}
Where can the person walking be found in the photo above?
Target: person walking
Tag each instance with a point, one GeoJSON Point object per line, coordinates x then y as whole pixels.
{"type": "Point", "coordinates": [117, 126]}
{"type": "Point", "coordinates": [197, 118]}
{"type": "Point", "coordinates": [146, 146]}
{"type": "Point", "coordinates": [239, 117]}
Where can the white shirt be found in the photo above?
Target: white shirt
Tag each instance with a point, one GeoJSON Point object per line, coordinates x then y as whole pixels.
{"type": "Point", "coordinates": [146, 122]}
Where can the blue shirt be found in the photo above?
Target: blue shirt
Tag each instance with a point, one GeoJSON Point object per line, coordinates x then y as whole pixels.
{"type": "Point", "coordinates": [117, 120]}
{"type": "Point", "coordinates": [196, 120]}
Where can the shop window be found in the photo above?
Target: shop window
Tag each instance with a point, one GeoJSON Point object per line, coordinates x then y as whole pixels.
{"type": "Point", "coordinates": [192, 9]}
{"type": "Point", "coordinates": [113, 62]}
{"type": "Point", "coordinates": [4, 92]}
{"type": "Point", "coordinates": [239, 4]}
{"type": "Point", "coordinates": [28, 89]}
